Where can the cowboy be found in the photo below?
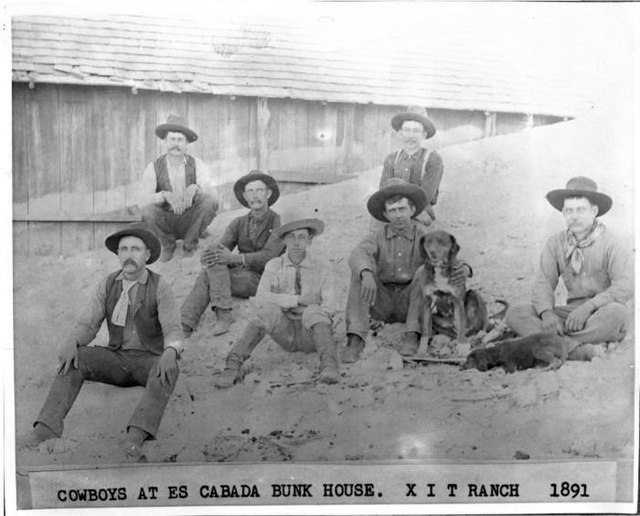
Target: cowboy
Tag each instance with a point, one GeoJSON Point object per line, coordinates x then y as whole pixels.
{"type": "Point", "coordinates": [227, 274]}
{"type": "Point", "coordinates": [294, 305]}
{"type": "Point", "coordinates": [385, 261]}
{"type": "Point", "coordinates": [177, 191]}
{"type": "Point", "coordinates": [595, 266]}
{"type": "Point", "coordinates": [414, 163]}
{"type": "Point", "coordinates": [145, 343]}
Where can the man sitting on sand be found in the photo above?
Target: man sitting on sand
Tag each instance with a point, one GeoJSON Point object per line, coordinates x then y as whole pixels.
{"type": "Point", "coordinates": [384, 263]}
{"type": "Point", "coordinates": [226, 274]}
{"type": "Point", "coordinates": [294, 305]}
{"type": "Point", "coordinates": [596, 268]}
{"type": "Point", "coordinates": [145, 342]}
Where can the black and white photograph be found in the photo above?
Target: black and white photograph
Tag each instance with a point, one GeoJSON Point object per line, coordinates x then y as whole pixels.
{"type": "Point", "coordinates": [322, 257]}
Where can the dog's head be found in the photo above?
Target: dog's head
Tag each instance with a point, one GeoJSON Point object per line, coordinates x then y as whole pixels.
{"type": "Point", "coordinates": [477, 359]}
{"type": "Point", "coordinates": [440, 247]}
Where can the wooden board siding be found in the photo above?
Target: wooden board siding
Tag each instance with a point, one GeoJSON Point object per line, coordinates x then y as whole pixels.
{"type": "Point", "coordinates": [78, 151]}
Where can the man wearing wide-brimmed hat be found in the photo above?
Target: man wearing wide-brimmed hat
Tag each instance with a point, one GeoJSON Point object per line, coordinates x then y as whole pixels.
{"type": "Point", "coordinates": [227, 274]}
{"type": "Point", "coordinates": [595, 266]}
{"type": "Point", "coordinates": [384, 262]}
{"type": "Point", "coordinates": [414, 162]}
{"type": "Point", "coordinates": [176, 193]}
{"type": "Point", "coordinates": [145, 342]}
{"type": "Point", "coordinates": [294, 305]}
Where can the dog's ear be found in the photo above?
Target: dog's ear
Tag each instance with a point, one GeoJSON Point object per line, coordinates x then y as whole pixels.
{"type": "Point", "coordinates": [455, 248]}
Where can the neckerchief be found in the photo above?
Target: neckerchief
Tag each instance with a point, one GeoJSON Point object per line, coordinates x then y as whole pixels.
{"type": "Point", "coordinates": [119, 316]}
{"type": "Point", "coordinates": [574, 253]}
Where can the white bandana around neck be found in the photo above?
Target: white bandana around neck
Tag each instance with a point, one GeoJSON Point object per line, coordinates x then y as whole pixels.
{"type": "Point", "coordinates": [574, 253]}
{"type": "Point", "coordinates": [119, 315]}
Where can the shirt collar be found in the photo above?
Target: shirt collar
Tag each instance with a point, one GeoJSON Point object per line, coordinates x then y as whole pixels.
{"type": "Point", "coordinates": [142, 279]}
{"type": "Point", "coordinates": [253, 216]}
{"type": "Point", "coordinates": [182, 163]}
{"type": "Point", "coordinates": [416, 154]}
{"type": "Point", "coordinates": [409, 233]}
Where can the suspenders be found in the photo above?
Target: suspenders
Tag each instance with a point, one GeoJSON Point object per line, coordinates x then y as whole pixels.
{"type": "Point", "coordinates": [424, 162]}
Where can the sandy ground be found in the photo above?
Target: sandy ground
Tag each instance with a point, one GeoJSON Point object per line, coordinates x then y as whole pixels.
{"type": "Point", "coordinates": [492, 200]}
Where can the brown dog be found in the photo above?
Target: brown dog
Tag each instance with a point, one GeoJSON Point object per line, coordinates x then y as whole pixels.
{"type": "Point", "coordinates": [466, 307]}
{"type": "Point", "coordinates": [540, 349]}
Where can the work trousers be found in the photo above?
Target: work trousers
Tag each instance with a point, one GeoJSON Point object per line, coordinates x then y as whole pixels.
{"type": "Point", "coordinates": [116, 367]}
{"type": "Point", "coordinates": [187, 227]}
{"type": "Point", "coordinates": [216, 285]}
{"type": "Point", "coordinates": [607, 324]}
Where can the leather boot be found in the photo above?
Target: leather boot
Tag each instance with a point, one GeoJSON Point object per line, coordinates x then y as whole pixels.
{"type": "Point", "coordinates": [410, 344]}
{"type": "Point", "coordinates": [325, 345]}
{"type": "Point", "coordinates": [351, 352]}
{"type": "Point", "coordinates": [224, 322]}
{"type": "Point", "coordinates": [240, 352]}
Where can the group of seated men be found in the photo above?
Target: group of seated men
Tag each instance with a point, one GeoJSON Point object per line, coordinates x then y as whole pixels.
{"type": "Point", "coordinates": [295, 299]}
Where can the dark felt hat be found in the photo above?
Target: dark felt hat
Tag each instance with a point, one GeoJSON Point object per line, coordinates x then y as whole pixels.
{"type": "Point", "coordinates": [176, 124]}
{"type": "Point", "coordinates": [256, 175]}
{"type": "Point", "coordinates": [137, 230]}
{"type": "Point", "coordinates": [415, 114]}
{"type": "Point", "coordinates": [315, 226]}
{"type": "Point", "coordinates": [580, 187]}
{"type": "Point", "coordinates": [396, 186]}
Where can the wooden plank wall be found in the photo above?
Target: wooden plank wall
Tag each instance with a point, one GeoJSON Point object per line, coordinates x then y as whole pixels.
{"type": "Point", "coordinates": [76, 149]}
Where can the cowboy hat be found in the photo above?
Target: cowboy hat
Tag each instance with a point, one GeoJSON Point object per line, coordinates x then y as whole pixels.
{"type": "Point", "coordinates": [415, 114]}
{"type": "Point", "coordinates": [581, 187]}
{"type": "Point", "coordinates": [256, 175]}
{"type": "Point", "coordinates": [315, 227]}
{"type": "Point", "coordinates": [137, 230]}
{"type": "Point", "coordinates": [176, 124]}
{"type": "Point", "coordinates": [396, 186]}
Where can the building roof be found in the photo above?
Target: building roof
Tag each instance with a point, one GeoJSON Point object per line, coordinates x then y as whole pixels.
{"type": "Point", "coordinates": [391, 62]}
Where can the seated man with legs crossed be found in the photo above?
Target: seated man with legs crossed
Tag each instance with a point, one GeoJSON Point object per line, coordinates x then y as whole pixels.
{"type": "Point", "coordinates": [145, 342]}
{"type": "Point", "coordinates": [384, 263]}
{"type": "Point", "coordinates": [294, 305]}
{"type": "Point", "coordinates": [596, 268]}
{"type": "Point", "coordinates": [227, 274]}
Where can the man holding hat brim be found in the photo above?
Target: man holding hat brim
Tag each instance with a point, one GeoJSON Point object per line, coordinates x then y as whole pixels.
{"type": "Point", "coordinates": [177, 191]}
{"type": "Point", "coordinates": [145, 343]}
{"type": "Point", "coordinates": [385, 261]}
{"type": "Point", "coordinates": [295, 303]}
{"type": "Point", "coordinates": [414, 163]}
{"type": "Point", "coordinates": [227, 274]}
{"type": "Point", "coordinates": [595, 266]}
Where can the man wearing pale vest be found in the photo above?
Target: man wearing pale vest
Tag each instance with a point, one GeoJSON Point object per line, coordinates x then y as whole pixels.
{"type": "Point", "coordinates": [177, 191]}
{"type": "Point", "coordinates": [145, 343]}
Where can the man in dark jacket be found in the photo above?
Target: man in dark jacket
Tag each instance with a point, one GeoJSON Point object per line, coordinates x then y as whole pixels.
{"type": "Point", "coordinates": [145, 343]}
{"type": "Point", "coordinates": [227, 274]}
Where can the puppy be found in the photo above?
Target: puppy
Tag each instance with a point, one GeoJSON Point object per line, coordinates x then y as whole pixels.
{"type": "Point", "coordinates": [466, 308]}
{"type": "Point", "coordinates": [540, 349]}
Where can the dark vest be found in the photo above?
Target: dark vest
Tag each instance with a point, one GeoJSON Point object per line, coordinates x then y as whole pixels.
{"type": "Point", "coordinates": [162, 174]}
{"type": "Point", "coordinates": [144, 311]}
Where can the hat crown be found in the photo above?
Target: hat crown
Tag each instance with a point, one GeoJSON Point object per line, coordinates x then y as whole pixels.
{"type": "Point", "coordinates": [177, 120]}
{"type": "Point", "coordinates": [417, 110]}
{"type": "Point", "coordinates": [582, 183]}
{"type": "Point", "coordinates": [392, 181]}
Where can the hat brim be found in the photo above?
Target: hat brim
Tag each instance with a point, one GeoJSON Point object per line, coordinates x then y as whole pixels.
{"type": "Point", "coordinates": [239, 185]}
{"type": "Point", "coordinates": [556, 199]}
{"type": "Point", "coordinates": [163, 129]}
{"type": "Point", "coordinates": [414, 193]}
{"type": "Point", "coordinates": [315, 226]}
{"type": "Point", "coordinates": [146, 235]}
{"type": "Point", "coordinates": [396, 122]}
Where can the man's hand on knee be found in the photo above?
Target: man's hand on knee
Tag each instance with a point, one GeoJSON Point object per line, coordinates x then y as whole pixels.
{"type": "Point", "coordinates": [368, 288]}
{"type": "Point", "coordinates": [67, 356]}
{"type": "Point", "coordinates": [577, 319]}
{"type": "Point", "coordinates": [552, 322]}
{"type": "Point", "coordinates": [167, 368]}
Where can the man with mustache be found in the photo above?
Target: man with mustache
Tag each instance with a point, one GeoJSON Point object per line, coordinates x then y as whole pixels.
{"type": "Point", "coordinates": [177, 191]}
{"type": "Point", "coordinates": [596, 268]}
{"type": "Point", "coordinates": [145, 343]}
{"type": "Point", "coordinates": [414, 163]}
{"type": "Point", "coordinates": [227, 274]}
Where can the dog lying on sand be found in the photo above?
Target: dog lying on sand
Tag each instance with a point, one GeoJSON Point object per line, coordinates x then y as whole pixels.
{"type": "Point", "coordinates": [548, 350]}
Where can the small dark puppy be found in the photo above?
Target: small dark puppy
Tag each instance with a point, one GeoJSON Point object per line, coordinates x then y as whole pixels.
{"type": "Point", "coordinates": [465, 307]}
{"type": "Point", "coordinates": [540, 349]}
